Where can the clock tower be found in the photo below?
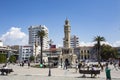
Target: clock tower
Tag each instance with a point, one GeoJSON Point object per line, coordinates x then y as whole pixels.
{"type": "Point", "coordinates": [67, 31]}
{"type": "Point", "coordinates": [67, 51]}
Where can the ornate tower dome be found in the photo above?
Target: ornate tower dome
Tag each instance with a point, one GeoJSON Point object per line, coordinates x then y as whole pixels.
{"type": "Point", "coordinates": [66, 22]}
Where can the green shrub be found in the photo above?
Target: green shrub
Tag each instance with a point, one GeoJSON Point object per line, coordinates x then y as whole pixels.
{"type": "Point", "coordinates": [3, 58]}
{"type": "Point", "coordinates": [12, 58]}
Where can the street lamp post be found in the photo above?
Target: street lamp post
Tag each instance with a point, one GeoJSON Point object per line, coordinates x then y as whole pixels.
{"type": "Point", "coordinates": [50, 43]}
{"type": "Point", "coordinates": [35, 48]}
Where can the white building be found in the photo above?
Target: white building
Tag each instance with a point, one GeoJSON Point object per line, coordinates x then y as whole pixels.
{"type": "Point", "coordinates": [74, 42]}
{"type": "Point", "coordinates": [1, 43]}
{"type": "Point", "coordinates": [34, 38]}
{"type": "Point", "coordinates": [25, 52]}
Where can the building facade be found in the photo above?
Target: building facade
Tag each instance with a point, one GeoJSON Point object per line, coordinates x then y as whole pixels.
{"type": "Point", "coordinates": [52, 54]}
{"type": "Point", "coordinates": [25, 52]}
{"type": "Point", "coordinates": [74, 41]}
{"type": "Point", "coordinates": [33, 37]}
{"type": "Point", "coordinates": [86, 53]}
{"type": "Point", "coordinates": [1, 43]}
{"type": "Point", "coordinates": [8, 51]}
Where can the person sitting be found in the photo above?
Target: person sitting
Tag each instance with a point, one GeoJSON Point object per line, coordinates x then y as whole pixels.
{"type": "Point", "coordinates": [93, 69]}
{"type": "Point", "coordinates": [5, 66]}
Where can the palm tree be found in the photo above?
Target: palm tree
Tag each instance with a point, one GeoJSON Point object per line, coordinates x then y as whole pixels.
{"type": "Point", "coordinates": [98, 39]}
{"type": "Point", "coordinates": [41, 35]}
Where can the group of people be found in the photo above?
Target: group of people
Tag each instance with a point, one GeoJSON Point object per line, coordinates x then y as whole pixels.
{"type": "Point", "coordinates": [66, 63]}
{"type": "Point", "coordinates": [22, 63]}
{"type": "Point", "coordinates": [86, 66]}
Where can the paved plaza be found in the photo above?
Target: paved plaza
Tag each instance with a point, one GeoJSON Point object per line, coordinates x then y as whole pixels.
{"type": "Point", "coordinates": [25, 73]}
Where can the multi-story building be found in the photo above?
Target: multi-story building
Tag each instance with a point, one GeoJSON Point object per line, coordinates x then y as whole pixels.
{"type": "Point", "coordinates": [1, 43]}
{"type": "Point", "coordinates": [74, 41]}
{"type": "Point", "coordinates": [8, 51]}
{"type": "Point", "coordinates": [25, 52]}
{"type": "Point", "coordinates": [33, 37]}
{"type": "Point", "coordinates": [53, 53]}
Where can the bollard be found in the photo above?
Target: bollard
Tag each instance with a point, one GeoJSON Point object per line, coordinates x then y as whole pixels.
{"type": "Point", "coordinates": [108, 75]}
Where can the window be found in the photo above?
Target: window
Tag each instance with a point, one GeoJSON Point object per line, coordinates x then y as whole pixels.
{"type": "Point", "coordinates": [87, 51]}
{"type": "Point", "coordinates": [84, 51]}
{"type": "Point", "coordinates": [27, 55]}
{"type": "Point", "coordinates": [81, 51]}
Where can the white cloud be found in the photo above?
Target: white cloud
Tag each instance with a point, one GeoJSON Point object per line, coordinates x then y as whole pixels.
{"type": "Point", "coordinates": [14, 37]}
{"type": "Point", "coordinates": [107, 43]}
{"type": "Point", "coordinates": [59, 45]}
{"type": "Point", "coordinates": [92, 43]}
{"type": "Point", "coordinates": [87, 43]}
{"type": "Point", "coordinates": [116, 44]}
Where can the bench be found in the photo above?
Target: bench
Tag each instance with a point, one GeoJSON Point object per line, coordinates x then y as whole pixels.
{"type": "Point", "coordinates": [7, 71]}
{"type": "Point", "coordinates": [95, 72]}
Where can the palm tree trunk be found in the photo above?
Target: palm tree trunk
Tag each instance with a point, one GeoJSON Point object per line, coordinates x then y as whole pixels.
{"type": "Point", "coordinates": [99, 57]}
{"type": "Point", "coordinates": [41, 42]}
{"type": "Point", "coordinates": [98, 39]}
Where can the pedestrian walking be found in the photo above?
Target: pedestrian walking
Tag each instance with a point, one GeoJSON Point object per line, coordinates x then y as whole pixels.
{"type": "Point", "coordinates": [28, 64]}
{"type": "Point", "coordinates": [115, 67]}
{"type": "Point", "coordinates": [76, 66]}
{"type": "Point", "coordinates": [22, 63]}
{"type": "Point", "coordinates": [107, 70]}
{"type": "Point", "coordinates": [66, 63]}
{"type": "Point", "coordinates": [61, 62]}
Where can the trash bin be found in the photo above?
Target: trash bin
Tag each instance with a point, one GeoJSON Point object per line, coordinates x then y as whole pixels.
{"type": "Point", "coordinates": [41, 65]}
{"type": "Point", "coordinates": [108, 75]}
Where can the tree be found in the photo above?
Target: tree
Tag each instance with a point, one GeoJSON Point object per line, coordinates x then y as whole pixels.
{"type": "Point", "coordinates": [108, 52]}
{"type": "Point", "coordinates": [98, 39]}
{"type": "Point", "coordinates": [41, 34]}
{"type": "Point", "coordinates": [3, 58]}
{"type": "Point", "coordinates": [31, 58]}
{"type": "Point", "coordinates": [12, 58]}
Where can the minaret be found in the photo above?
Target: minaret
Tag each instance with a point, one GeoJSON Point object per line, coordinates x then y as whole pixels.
{"type": "Point", "coordinates": [67, 34]}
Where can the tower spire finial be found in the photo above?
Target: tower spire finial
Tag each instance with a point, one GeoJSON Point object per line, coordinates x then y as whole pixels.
{"type": "Point", "coordinates": [66, 21]}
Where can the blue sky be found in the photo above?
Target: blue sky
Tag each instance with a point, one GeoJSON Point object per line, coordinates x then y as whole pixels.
{"type": "Point", "coordinates": [88, 18]}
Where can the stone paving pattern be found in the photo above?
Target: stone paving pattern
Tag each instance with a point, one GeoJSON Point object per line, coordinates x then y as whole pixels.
{"type": "Point", "coordinates": [25, 73]}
